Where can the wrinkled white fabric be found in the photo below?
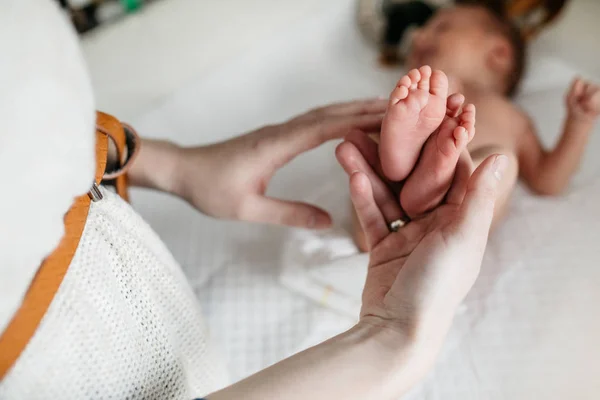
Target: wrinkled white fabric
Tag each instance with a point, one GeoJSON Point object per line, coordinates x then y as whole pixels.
{"type": "Point", "coordinates": [46, 138]}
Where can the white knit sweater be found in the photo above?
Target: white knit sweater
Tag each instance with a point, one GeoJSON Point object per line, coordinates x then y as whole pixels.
{"type": "Point", "coordinates": [123, 324]}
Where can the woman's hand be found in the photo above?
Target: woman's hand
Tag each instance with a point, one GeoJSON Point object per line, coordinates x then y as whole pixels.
{"type": "Point", "coordinates": [419, 275]}
{"type": "Point", "coordinates": [229, 179]}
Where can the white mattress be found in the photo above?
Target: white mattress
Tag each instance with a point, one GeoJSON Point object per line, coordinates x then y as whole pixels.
{"type": "Point", "coordinates": [528, 330]}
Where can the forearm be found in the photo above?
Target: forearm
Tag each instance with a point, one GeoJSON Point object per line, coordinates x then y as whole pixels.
{"type": "Point", "coordinates": [156, 166]}
{"type": "Point", "coordinates": [366, 362]}
{"type": "Point", "coordinates": [557, 167]}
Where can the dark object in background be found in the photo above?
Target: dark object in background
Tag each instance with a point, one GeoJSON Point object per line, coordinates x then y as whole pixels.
{"type": "Point", "coordinates": [391, 20]}
{"type": "Point", "coordinates": [400, 17]}
{"type": "Point", "coordinates": [532, 16]}
{"type": "Point", "coordinates": [96, 12]}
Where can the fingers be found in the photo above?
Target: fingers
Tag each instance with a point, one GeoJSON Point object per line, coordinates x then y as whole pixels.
{"type": "Point", "coordinates": [335, 128]}
{"type": "Point", "coordinates": [585, 97]}
{"type": "Point", "coordinates": [280, 212]}
{"type": "Point", "coordinates": [464, 170]}
{"type": "Point", "coordinates": [365, 123]}
{"type": "Point", "coordinates": [327, 123]}
{"type": "Point", "coordinates": [576, 91]}
{"type": "Point", "coordinates": [577, 86]}
{"type": "Point", "coordinates": [477, 209]}
{"type": "Point", "coordinates": [591, 98]}
{"type": "Point", "coordinates": [368, 148]}
{"type": "Point", "coordinates": [589, 89]}
{"type": "Point", "coordinates": [370, 217]}
{"type": "Point", "coordinates": [591, 92]}
{"type": "Point", "coordinates": [298, 138]}
{"type": "Point", "coordinates": [353, 108]}
{"type": "Point", "coordinates": [352, 160]}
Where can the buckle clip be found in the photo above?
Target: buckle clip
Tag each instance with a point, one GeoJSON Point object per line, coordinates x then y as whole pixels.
{"type": "Point", "coordinates": [95, 194]}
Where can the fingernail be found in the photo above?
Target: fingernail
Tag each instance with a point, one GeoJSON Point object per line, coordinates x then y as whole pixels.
{"type": "Point", "coordinates": [465, 135]}
{"type": "Point", "coordinates": [500, 165]}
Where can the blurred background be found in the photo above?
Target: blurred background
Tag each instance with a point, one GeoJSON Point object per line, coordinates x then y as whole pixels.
{"type": "Point", "coordinates": [139, 51]}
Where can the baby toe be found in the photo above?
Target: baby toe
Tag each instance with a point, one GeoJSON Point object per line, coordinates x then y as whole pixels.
{"type": "Point", "coordinates": [439, 84]}
{"type": "Point", "coordinates": [454, 104]}
{"type": "Point", "coordinates": [425, 72]}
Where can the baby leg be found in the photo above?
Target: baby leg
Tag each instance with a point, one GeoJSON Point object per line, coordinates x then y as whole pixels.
{"type": "Point", "coordinates": [428, 184]}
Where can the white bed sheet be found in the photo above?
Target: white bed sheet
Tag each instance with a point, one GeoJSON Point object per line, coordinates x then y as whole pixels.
{"type": "Point", "coordinates": [528, 330]}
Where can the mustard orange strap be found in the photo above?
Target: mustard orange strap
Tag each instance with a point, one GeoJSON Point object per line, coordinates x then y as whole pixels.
{"type": "Point", "coordinates": [49, 276]}
{"type": "Point", "coordinates": [520, 7]}
{"type": "Point", "coordinates": [127, 142]}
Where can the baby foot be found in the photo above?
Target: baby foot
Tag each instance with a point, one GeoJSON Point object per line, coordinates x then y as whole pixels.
{"type": "Point", "coordinates": [417, 107]}
{"type": "Point", "coordinates": [428, 184]}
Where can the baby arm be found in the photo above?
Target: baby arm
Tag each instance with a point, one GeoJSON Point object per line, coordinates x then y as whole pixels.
{"type": "Point", "coordinates": [549, 172]}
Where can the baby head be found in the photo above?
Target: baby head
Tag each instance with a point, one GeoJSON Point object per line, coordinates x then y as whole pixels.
{"type": "Point", "coordinates": [473, 43]}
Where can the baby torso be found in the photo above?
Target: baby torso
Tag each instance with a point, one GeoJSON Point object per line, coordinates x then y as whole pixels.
{"type": "Point", "coordinates": [500, 124]}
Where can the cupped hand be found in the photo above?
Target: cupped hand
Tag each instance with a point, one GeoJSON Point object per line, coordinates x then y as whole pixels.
{"type": "Point", "coordinates": [419, 275]}
{"type": "Point", "coordinates": [229, 179]}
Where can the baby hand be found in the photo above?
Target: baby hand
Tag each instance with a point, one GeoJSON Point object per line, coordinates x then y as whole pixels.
{"type": "Point", "coordinates": [583, 101]}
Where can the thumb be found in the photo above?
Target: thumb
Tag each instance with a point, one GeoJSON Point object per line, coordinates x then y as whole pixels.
{"type": "Point", "coordinates": [477, 210]}
{"type": "Point", "coordinates": [267, 210]}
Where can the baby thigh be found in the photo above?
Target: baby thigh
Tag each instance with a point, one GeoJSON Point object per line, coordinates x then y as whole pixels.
{"type": "Point", "coordinates": [509, 178]}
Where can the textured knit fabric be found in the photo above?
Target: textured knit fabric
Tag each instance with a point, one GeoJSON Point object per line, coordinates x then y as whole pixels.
{"type": "Point", "coordinates": [124, 323]}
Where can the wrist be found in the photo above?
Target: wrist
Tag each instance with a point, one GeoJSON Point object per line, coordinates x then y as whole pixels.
{"type": "Point", "coordinates": [390, 340]}
{"type": "Point", "coordinates": [581, 124]}
{"type": "Point", "coordinates": [190, 168]}
{"type": "Point", "coordinates": [402, 352]}
{"type": "Point", "coordinates": [156, 166]}
{"type": "Point", "coordinates": [169, 162]}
